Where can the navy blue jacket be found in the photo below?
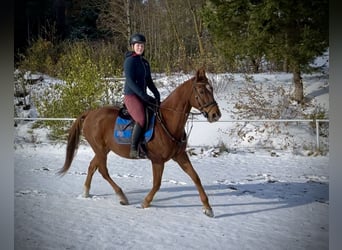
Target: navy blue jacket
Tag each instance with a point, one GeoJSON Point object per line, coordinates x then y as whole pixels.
{"type": "Point", "coordinates": [138, 77]}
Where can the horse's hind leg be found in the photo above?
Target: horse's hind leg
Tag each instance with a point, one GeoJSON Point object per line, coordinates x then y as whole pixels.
{"type": "Point", "coordinates": [100, 163]}
{"type": "Point", "coordinates": [91, 170]}
{"type": "Point", "coordinates": [184, 162]}
{"type": "Point", "coordinates": [104, 172]}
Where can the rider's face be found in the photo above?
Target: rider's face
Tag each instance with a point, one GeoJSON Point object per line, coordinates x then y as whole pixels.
{"type": "Point", "coordinates": [139, 48]}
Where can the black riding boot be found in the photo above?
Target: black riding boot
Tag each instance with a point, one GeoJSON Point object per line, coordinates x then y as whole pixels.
{"type": "Point", "coordinates": [136, 136]}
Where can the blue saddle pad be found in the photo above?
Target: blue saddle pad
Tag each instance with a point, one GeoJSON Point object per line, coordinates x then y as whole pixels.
{"type": "Point", "coordinates": [123, 130]}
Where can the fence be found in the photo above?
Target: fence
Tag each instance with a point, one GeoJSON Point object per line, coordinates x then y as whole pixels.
{"type": "Point", "coordinates": [317, 122]}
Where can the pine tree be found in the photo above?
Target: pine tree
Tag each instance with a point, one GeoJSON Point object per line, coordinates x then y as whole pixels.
{"type": "Point", "coordinates": [290, 32]}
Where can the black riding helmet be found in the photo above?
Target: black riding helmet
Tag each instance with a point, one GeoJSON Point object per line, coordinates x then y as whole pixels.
{"type": "Point", "coordinates": [137, 38]}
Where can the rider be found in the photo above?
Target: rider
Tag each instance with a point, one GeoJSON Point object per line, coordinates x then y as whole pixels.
{"type": "Point", "coordinates": [138, 79]}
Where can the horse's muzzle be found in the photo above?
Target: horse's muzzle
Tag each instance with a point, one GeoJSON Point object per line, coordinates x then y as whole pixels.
{"type": "Point", "coordinates": [213, 115]}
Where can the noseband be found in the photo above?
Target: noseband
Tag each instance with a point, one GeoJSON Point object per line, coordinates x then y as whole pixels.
{"type": "Point", "coordinates": [200, 100]}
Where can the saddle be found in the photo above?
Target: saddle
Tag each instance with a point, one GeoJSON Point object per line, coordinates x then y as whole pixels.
{"type": "Point", "coordinates": [124, 124]}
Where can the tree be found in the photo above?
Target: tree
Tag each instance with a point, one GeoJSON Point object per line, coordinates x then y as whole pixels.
{"type": "Point", "coordinates": [171, 41]}
{"type": "Point", "coordinates": [297, 33]}
{"type": "Point", "coordinates": [59, 9]}
{"type": "Point", "coordinates": [233, 29]}
{"type": "Point", "coordinates": [281, 30]}
{"type": "Point", "coordinates": [32, 17]}
{"type": "Point", "coordinates": [115, 17]}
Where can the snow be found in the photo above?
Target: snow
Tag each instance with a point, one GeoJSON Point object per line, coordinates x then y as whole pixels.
{"type": "Point", "coordinates": [259, 201]}
{"type": "Point", "coordinates": [262, 198]}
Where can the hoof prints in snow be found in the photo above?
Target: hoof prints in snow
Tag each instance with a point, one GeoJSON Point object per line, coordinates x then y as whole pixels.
{"type": "Point", "coordinates": [126, 176]}
{"type": "Point", "coordinates": [90, 197]}
{"type": "Point", "coordinates": [29, 192]}
{"type": "Point", "coordinates": [42, 169]}
{"type": "Point", "coordinates": [174, 182]}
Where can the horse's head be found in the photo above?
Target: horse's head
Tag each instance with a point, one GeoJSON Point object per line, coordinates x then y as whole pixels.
{"type": "Point", "coordinates": [203, 97]}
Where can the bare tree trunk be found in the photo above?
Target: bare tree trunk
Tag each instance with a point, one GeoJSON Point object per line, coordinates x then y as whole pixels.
{"type": "Point", "coordinates": [285, 65]}
{"type": "Point", "coordinates": [128, 18]}
{"type": "Point", "coordinates": [255, 65]}
{"type": "Point", "coordinates": [59, 15]}
{"type": "Point", "coordinates": [286, 58]}
{"type": "Point", "coordinates": [173, 25]}
{"type": "Point", "coordinates": [181, 46]}
{"type": "Point", "coordinates": [298, 94]}
{"type": "Point", "coordinates": [115, 15]}
{"type": "Point", "coordinates": [197, 28]}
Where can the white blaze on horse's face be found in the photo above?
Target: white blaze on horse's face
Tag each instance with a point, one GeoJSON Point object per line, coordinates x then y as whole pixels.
{"type": "Point", "coordinates": [206, 101]}
{"type": "Point", "coordinates": [209, 87]}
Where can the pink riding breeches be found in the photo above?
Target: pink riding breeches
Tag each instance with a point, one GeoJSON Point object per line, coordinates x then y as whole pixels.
{"type": "Point", "coordinates": [135, 108]}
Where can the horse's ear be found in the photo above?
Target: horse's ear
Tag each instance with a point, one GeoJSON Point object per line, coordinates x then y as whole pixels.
{"type": "Point", "coordinates": [200, 74]}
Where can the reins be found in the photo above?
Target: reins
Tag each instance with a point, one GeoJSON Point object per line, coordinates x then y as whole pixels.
{"type": "Point", "coordinates": [186, 135]}
{"type": "Point", "coordinates": [162, 123]}
{"type": "Point", "coordinates": [156, 110]}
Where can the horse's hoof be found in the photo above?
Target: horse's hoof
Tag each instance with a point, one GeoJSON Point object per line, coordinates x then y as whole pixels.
{"type": "Point", "coordinates": [124, 203]}
{"type": "Point", "coordinates": [123, 199]}
{"type": "Point", "coordinates": [145, 205]}
{"type": "Point", "coordinates": [208, 212]}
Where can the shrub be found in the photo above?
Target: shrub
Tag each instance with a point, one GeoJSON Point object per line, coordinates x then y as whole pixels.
{"type": "Point", "coordinates": [86, 70]}
{"type": "Point", "coordinates": [41, 57]}
{"type": "Point", "coordinates": [83, 88]}
{"type": "Point", "coordinates": [319, 113]}
{"type": "Point", "coordinates": [269, 102]}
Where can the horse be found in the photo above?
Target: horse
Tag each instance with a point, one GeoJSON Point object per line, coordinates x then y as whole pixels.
{"type": "Point", "coordinates": [168, 142]}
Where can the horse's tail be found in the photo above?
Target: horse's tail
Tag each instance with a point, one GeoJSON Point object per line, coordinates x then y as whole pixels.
{"type": "Point", "coordinates": [73, 142]}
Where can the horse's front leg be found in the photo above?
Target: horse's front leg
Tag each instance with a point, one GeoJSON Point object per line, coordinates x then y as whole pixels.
{"type": "Point", "coordinates": [157, 170]}
{"type": "Point", "coordinates": [184, 162]}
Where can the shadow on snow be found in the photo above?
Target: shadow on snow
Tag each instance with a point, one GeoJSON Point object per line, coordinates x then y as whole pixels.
{"type": "Point", "coordinates": [277, 195]}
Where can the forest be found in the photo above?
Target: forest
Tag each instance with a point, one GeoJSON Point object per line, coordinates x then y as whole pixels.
{"type": "Point", "coordinates": [248, 36]}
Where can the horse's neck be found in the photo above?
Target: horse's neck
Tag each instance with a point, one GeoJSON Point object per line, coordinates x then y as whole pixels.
{"type": "Point", "coordinates": [176, 107]}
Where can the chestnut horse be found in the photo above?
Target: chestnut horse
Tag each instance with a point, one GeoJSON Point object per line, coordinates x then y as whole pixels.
{"type": "Point", "coordinates": [168, 141]}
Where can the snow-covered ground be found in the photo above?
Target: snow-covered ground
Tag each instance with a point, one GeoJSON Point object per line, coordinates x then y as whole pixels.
{"type": "Point", "coordinates": [262, 198]}
{"type": "Point", "coordinates": [260, 202]}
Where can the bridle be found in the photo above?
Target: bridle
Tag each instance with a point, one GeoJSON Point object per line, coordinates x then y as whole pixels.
{"type": "Point", "coordinates": [201, 108]}
{"type": "Point", "coordinates": [199, 100]}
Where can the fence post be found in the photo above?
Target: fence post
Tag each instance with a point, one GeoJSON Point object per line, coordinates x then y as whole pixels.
{"type": "Point", "coordinates": [317, 134]}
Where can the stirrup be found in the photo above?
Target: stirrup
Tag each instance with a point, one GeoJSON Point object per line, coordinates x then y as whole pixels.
{"type": "Point", "coordinates": [134, 154]}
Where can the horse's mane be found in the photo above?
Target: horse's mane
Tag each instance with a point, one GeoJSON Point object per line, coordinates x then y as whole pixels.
{"type": "Point", "coordinates": [179, 88]}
